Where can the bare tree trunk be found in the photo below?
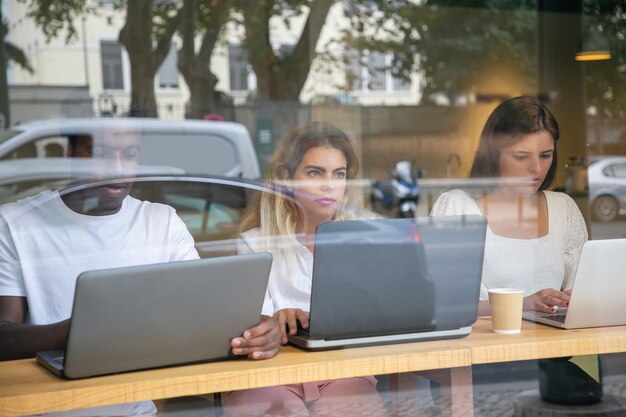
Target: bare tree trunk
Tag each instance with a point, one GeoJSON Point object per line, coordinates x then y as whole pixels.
{"type": "Point", "coordinates": [260, 54]}
{"type": "Point", "coordinates": [196, 67]}
{"type": "Point", "coordinates": [137, 37]}
{"type": "Point", "coordinates": [5, 107]}
{"type": "Point", "coordinates": [281, 78]}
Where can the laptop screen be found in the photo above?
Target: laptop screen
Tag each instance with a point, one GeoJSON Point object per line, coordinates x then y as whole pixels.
{"type": "Point", "coordinates": [390, 276]}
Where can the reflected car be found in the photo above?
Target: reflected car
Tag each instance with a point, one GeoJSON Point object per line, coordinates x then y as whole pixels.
{"type": "Point", "coordinates": [607, 188]}
{"type": "Point", "coordinates": [21, 178]}
{"type": "Point", "coordinates": [211, 207]}
{"type": "Point", "coordinates": [196, 146]}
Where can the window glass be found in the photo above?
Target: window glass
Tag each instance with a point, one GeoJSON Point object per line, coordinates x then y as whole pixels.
{"type": "Point", "coordinates": [412, 83]}
{"type": "Point", "coordinates": [238, 67]}
{"type": "Point", "coordinates": [111, 60]}
{"type": "Point", "coordinates": [212, 212]}
{"type": "Point", "coordinates": [609, 171]}
{"type": "Point", "coordinates": [168, 72]}
{"type": "Point", "coordinates": [376, 70]}
{"type": "Point", "coordinates": [619, 170]}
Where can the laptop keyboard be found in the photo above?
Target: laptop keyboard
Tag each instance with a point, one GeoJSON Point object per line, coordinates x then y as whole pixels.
{"type": "Point", "coordinates": [557, 317]}
{"type": "Point", "coordinates": [57, 356]}
{"type": "Point", "coordinates": [302, 331]}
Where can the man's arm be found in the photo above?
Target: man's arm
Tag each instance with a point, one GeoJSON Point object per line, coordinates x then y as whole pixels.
{"type": "Point", "coordinates": [20, 340]}
{"type": "Point", "coordinates": [259, 342]}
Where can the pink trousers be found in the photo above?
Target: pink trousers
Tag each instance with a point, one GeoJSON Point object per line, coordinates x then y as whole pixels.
{"type": "Point", "coordinates": [341, 397]}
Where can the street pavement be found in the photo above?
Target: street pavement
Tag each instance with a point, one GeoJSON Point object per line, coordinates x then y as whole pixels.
{"type": "Point", "coordinates": [498, 400]}
{"type": "Point", "coordinates": [496, 387]}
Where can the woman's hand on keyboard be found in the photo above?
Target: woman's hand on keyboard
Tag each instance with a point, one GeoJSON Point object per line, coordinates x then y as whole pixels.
{"type": "Point", "coordinates": [288, 319]}
{"type": "Point", "coordinates": [546, 299]}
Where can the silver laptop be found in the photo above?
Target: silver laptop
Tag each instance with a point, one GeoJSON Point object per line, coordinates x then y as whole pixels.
{"type": "Point", "coordinates": [158, 315]}
{"type": "Point", "coordinates": [598, 293]}
{"type": "Point", "coordinates": [394, 280]}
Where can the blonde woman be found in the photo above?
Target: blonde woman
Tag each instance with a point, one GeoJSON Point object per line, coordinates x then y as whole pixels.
{"type": "Point", "coordinates": [312, 165]}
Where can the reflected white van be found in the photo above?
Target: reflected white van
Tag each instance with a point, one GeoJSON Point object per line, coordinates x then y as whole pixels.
{"type": "Point", "coordinates": [195, 146]}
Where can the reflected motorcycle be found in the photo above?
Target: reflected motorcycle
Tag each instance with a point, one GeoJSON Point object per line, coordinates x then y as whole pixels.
{"type": "Point", "coordinates": [398, 196]}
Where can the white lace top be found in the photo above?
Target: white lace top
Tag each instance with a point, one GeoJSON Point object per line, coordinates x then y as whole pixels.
{"type": "Point", "coordinates": [289, 285]}
{"type": "Point", "coordinates": [549, 261]}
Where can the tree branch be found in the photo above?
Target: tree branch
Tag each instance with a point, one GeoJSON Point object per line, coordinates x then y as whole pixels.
{"type": "Point", "coordinates": [164, 42]}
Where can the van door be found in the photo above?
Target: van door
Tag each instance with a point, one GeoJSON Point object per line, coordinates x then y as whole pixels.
{"type": "Point", "coordinates": [202, 154]}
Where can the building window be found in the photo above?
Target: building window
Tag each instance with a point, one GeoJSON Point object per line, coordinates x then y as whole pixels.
{"type": "Point", "coordinates": [372, 71]}
{"type": "Point", "coordinates": [376, 71]}
{"type": "Point", "coordinates": [168, 72]}
{"type": "Point", "coordinates": [400, 84]}
{"type": "Point", "coordinates": [238, 67]}
{"type": "Point", "coordinates": [354, 71]}
{"type": "Point", "coordinates": [111, 3]}
{"type": "Point", "coordinates": [111, 57]}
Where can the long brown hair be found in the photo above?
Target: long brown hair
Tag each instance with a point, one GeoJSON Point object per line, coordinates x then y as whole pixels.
{"type": "Point", "coordinates": [509, 123]}
{"type": "Point", "coordinates": [276, 213]}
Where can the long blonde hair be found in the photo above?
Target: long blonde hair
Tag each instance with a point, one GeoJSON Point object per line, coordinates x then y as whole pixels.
{"type": "Point", "coordinates": [275, 213]}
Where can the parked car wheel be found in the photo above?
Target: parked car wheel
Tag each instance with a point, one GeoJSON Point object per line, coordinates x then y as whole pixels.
{"type": "Point", "coordinates": [605, 208]}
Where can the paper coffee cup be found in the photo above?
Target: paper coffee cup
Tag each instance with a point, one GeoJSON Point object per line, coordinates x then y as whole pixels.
{"type": "Point", "coordinates": [506, 310]}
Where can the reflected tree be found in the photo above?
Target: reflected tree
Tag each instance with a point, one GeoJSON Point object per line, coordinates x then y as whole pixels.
{"type": "Point", "coordinates": [54, 17]}
{"type": "Point", "coordinates": [146, 36]}
{"type": "Point", "coordinates": [281, 74]}
{"type": "Point", "coordinates": [203, 19]}
{"type": "Point", "coordinates": [605, 25]}
{"type": "Point", "coordinates": [8, 53]}
{"type": "Point", "coordinates": [452, 43]}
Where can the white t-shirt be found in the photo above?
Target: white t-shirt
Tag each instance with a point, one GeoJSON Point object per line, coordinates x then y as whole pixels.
{"type": "Point", "coordinates": [44, 246]}
{"type": "Point", "coordinates": [288, 286]}
{"type": "Point", "coordinates": [549, 261]}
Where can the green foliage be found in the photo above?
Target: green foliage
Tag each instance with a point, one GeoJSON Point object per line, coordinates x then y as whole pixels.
{"type": "Point", "coordinates": [460, 43]}
{"type": "Point", "coordinates": [13, 53]}
{"type": "Point", "coordinates": [451, 42]}
{"type": "Point", "coordinates": [163, 13]}
{"type": "Point", "coordinates": [282, 74]}
{"type": "Point", "coordinates": [605, 21]}
{"type": "Point", "coordinates": [211, 11]}
{"type": "Point", "coordinates": [17, 55]}
{"type": "Point", "coordinates": [54, 16]}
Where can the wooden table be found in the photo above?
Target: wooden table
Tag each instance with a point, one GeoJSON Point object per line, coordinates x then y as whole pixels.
{"type": "Point", "coordinates": [26, 388]}
{"type": "Point", "coordinates": [534, 342]}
